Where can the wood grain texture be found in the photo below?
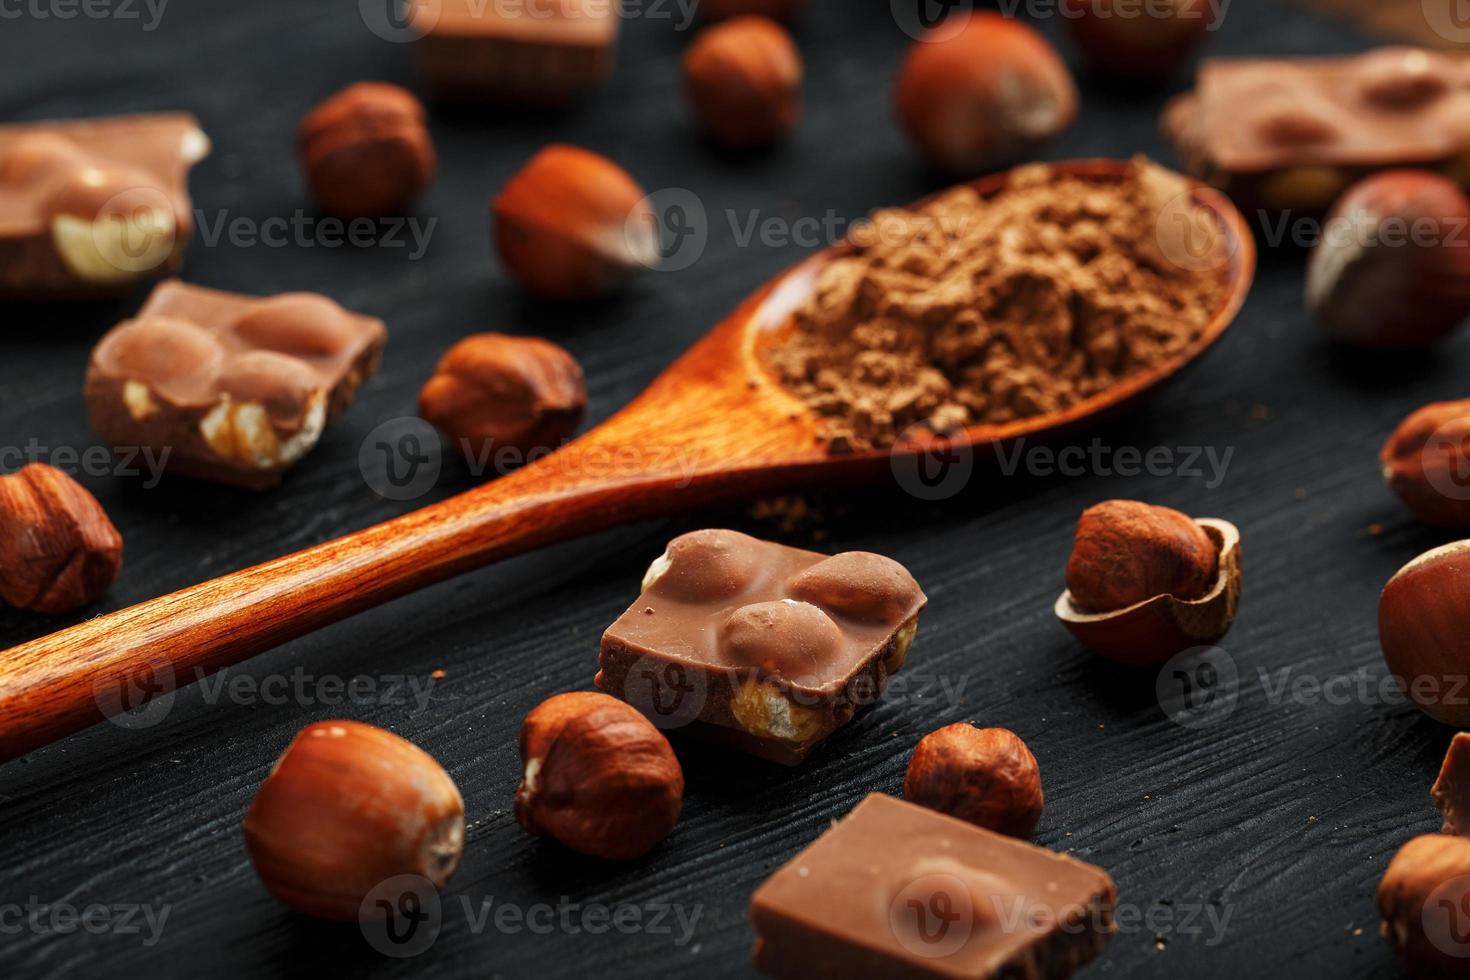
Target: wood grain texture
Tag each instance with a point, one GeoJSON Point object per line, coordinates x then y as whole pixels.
{"type": "Point", "coordinates": [1284, 813]}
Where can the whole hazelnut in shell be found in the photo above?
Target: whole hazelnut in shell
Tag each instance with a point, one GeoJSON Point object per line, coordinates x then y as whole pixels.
{"type": "Point", "coordinates": [58, 549]}
{"type": "Point", "coordinates": [366, 150]}
{"type": "Point", "coordinates": [743, 81]}
{"type": "Point", "coordinates": [491, 392]}
{"type": "Point", "coordinates": [983, 95]}
{"type": "Point", "coordinates": [1424, 629]}
{"type": "Point", "coordinates": [986, 776]}
{"type": "Point", "coordinates": [1422, 899]}
{"type": "Point", "coordinates": [1137, 41]}
{"type": "Point", "coordinates": [573, 225]}
{"type": "Point", "coordinates": [347, 807]}
{"type": "Point", "coordinates": [599, 777]}
{"type": "Point", "coordinates": [1426, 462]}
{"type": "Point", "coordinates": [1393, 266]}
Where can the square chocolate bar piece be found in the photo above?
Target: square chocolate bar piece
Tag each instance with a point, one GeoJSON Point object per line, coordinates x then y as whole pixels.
{"type": "Point", "coordinates": [897, 890]}
{"type": "Point", "coordinates": [232, 388]}
{"type": "Point", "coordinates": [89, 208]}
{"type": "Point", "coordinates": [531, 52]}
{"type": "Point", "coordinates": [760, 646]}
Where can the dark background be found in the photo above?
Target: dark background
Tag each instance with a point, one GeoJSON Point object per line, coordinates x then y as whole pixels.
{"type": "Point", "coordinates": [1283, 815]}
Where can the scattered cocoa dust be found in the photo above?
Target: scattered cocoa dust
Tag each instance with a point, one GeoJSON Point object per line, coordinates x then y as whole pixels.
{"type": "Point", "coordinates": [966, 311]}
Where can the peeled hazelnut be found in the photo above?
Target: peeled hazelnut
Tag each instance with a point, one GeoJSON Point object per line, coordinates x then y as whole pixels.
{"type": "Point", "coordinates": [347, 807]}
{"type": "Point", "coordinates": [1427, 463]}
{"type": "Point", "coordinates": [493, 392]}
{"type": "Point", "coordinates": [58, 550]}
{"type": "Point", "coordinates": [779, 9]}
{"type": "Point", "coordinates": [986, 776]}
{"type": "Point", "coordinates": [1451, 791]}
{"type": "Point", "coordinates": [1126, 552]}
{"type": "Point", "coordinates": [599, 777]}
{"type": "Point", "coordinates": [366, 150]}
{"type": "Point", "coordinates": [1422, 899]}
{"type": "Point", "coordinates": [743, 80]}
{"type": "Point", "coordinates": [573, 225]}
{"type": "Point", "coordinates": [984, 95]}
{"type": "Point", "coordinates": [1145, 583]}
{"type": "Point", "coordinates": [1422, 617]}
{"type": "Point", "coordinates": [1138, 41]}
{"type": "Point", "coordinates": [1393, 266]}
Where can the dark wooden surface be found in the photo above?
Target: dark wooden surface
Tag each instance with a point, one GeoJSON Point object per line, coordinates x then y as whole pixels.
{"type": "Point", "coordinates": [1282, 815]}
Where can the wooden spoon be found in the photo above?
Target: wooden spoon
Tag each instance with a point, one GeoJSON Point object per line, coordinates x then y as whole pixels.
{"type": "Point", "coordinates": [714, 426]}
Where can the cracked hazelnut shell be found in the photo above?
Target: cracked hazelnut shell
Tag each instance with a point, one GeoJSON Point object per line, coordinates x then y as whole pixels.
{"type": "Point", "coordinates": [347, 807]}
{"type": "Point", "coordinates": [366, 150]}
{"type": "Point", "coordinates": [743, 80]}
{"type": "Point", "coordinates": [598, 777]}
{"type": "Point", "coordinates": [58, 549]}
{"type": "Point", "coordinates": [1424, 629]}
{"type": "Point", "coordinates": [986, 776]}
{"type": "Point", "coordinates": [1426, 461]}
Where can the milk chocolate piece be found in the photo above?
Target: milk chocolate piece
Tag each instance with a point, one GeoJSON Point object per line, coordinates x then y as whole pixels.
{"type": "Point", "coordinates": [763, 647]}
{"type": "Point", "coordinates": [896, 890]}
{"type": "Point", "coordinates": [1451, 790]}
{"type": "Point", "coordinates": [89, 208]}
{"type": "Point", "coordinates": [1294, 133]}
{"type": "Point", "coordinates": [535, 52]}
{"type": "Point", "coordinates": [235, 388]}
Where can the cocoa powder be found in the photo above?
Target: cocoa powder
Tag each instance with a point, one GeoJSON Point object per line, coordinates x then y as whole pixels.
{"type": "Point", "coordinates": [970, 311]}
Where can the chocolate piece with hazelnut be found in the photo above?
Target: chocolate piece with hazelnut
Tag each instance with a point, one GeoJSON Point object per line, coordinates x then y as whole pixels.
{"type": "Point", "coordinates": [1423, 461]}
{"type": "Point", "coordinates": [1424, 890]}
{"type": "Point", "coordinates": [1146, 582]}
{"type": "Point", "coordinates": [1422, 627]}
{"type": "Point", "coordinates": [347, 807]}
{"type": "Point", "coordinates": [986, 776]}
{"type": "Point", "coordinates": [492, 392]}
{"type": "Point", "coordinates": [743, 81]}
{"type": "Point", "coordinates": [1451, 791]}
{"type": "Point", "coordinates": [58, 550]}
{"type": "Point", "coordinates": [598, 777]}
{"type": "Point", "coordinates": [366, 150]}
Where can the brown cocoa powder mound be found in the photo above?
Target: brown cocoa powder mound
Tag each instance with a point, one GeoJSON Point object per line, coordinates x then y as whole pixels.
{"type": "Point", "coordinates": [968, 311]}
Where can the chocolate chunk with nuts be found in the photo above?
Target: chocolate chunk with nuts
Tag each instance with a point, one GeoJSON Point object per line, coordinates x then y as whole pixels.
{"type": "Point", "coordinates": [229, 388]}
{"type": "Point", "coordinates": [757, 645]}
{"type": "Point", "coordinates": [58, 550]}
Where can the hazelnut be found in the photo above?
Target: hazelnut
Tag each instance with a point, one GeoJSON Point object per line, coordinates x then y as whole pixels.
{"type": "Point", "coordinates": [779, 9]}
{"type": "Point", "coordinates": [366, 150]}
{"type": "Point", "coordinates": [1126, 552]}
{"type": "Point", "coordinates": [1137, 41]}
{"type": "Point", "coordinates": [1145, 583]}
{"type": "Point", "coordinates": [986, 776]}
{"type": "Point", "coordinates": [1451, 791]}
{"type": "Point", "coordinates": [1393, 266]}
{"type": "Point", "coordinates": [491, 392]}
{"type": "Point", "coordinates": [113, 224]}
{"type": "Point", "coordinates": [1427, 463]}
{"type": "Point", "coordinates": [743, 80]}
{"type": "Point", "coordinates": [573, 225]}
{"type": "Point", "coordinates": [347, 807]}
{"type": "Point", "coordinates": [58, 550]}
{"type": "Point", "coordinates": [984, 95]}
{"type": "Point", "coordinates": [599, 777]}
{"type": "Point", "coordinates": [1422, 898]}
{"type": "Point", "coordinates": [704, 565]}
{"type": "Point", "coordinates": [1422, 617]}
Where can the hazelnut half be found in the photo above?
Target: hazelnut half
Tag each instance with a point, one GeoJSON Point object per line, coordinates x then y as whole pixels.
{"type": "Point", "coordinates": [1136, 41]}
{"type": "Point", "coordinates": [58, 550]}
{"type": "Point", "coordinates": [493, 392]}
{"type": "Point", "coordinates": [1424, 629]}
{"type": "Point", "coordinates": [1393, 266]}
{"type": "Point", "coordinates": [1426, 462]}
{"type": "Point", "coordinates": [983, 95]}
{"type": "Point", "coordinates": [986, 776]}
{"type": "Point", "coordinates": [599, 777]}
{"type": "Point", "coordinates": [743, 80]}
{"type": "Point", "coordinates": [347, 807]}
{"type": "Point", "coordinates": [573, 225]}
{"type": "Point", "coordinates": [1421, 897]}
{"type": "Point", "coordinates": [1145, 582]}
{"type": "Point", "coordinates": [366, 150]}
